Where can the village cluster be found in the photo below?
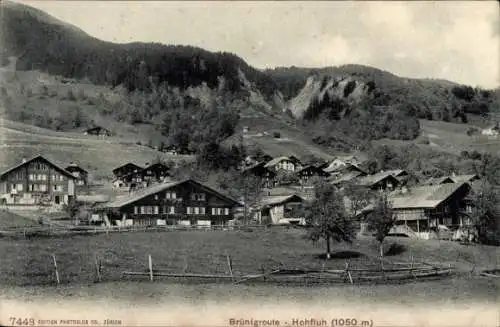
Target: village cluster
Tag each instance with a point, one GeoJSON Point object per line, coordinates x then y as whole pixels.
{"type": "Point", "coordinates": [151, 196]}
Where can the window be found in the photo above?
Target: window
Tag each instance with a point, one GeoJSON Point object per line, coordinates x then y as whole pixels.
{"type": "Point", "coordinates": [198, 196]}
{"type": "Point", "coordinates": [43, 188]}
{"type": "Point", "coordinates": [136, 210]}
{"type": "Point", "coordinates": [189, 210]}
{"type": "Point", "coordinates": [171, 210]}
{"type": "Point", "coordinates": [214, 211]}
{"type": "Point", "coordinates": [156, 196]}
{"type": "Point", "coordinates": [143, 210]}
{"type": "Point", "coordinates": [156, 210]}
{"type": "Point", "coordinates": [44, 177]}
{"type": "Point", "coordinates": [13, 187]}
{"type": "Point", "coordinates": [196, 210]}
{"type": "Point", "coordinates": [19, 187]}
{"type": "Point", "coordinates": [31, 177]}
{"type": "Point", "coordinates": [220, 211]}
{"type": "Point", "coordinates": [202, 210]}
{"type": "Point", "coordinates": [170, 195]}
{"type": "Point", "coordinates": [59, 188]}
{"type": "Point", "coordinates": [55, 187]}
{"type": "Point", "coordinates": [226, 211]}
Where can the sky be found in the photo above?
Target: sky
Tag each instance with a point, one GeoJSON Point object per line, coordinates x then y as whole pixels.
{"type": "Point", "coordinates": [458, 41]}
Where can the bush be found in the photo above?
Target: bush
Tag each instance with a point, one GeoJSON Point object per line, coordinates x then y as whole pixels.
{"type": "Point", "coordinates": [277, 135]}
{"type": "Point", "coordinates": [395, 249]}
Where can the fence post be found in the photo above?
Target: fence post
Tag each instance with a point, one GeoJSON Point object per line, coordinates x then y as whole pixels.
{"type": "Point", "coordinates": [150, 263]}
{"type": "Point", "coordinates": [348, 272]}
{"type": "Point", "coordinates": [98, 268]}
{"type": "Point", "coordinates": [55, 267]}
{"type": "Point", "coordinates": [230, 265]}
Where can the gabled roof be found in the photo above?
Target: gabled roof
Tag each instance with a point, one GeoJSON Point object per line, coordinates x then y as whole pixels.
{"type": "Point", "coordinates": [348, 166]}
{"type": "Point", "coordinates": [57, 167]}
{"type": "Point", "coordinates": [279, 159]}
{"type": "Point", "coordinates": [375, 178]}
{"type": "Point", "coordinates": [127, 164]}
{"type": "Point", "coordinates": [346, 177]}
{"type": "Point", "coordinates": [427, 197]}
{"type": "Point", "coordinates": [396, 172]}
{"type": "Point", "coordinates": [273, 200]}
{"type": "Point", "coordinates": [464, 178]}
{"type": "Point", "coordinates": [74, 167]}
{"type": "Point", "coordinates": [126, 200]}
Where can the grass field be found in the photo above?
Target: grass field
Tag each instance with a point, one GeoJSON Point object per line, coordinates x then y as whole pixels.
{"type": "Point", "coordinates": [10, 220]}
{"type": "Point", "coordinates": [99, 156]}
{"type": "Point", "coordinates": [27, 280]}
{"type": "Point", "coordinates": [28, 262]}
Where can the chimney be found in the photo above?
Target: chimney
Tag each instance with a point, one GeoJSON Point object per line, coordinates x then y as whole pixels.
{"type": "Point", "coordinates": [453, 174]}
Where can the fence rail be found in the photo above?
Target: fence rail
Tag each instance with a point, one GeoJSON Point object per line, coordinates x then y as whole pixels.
{"type": "Point", "coordinates": [83, 230]}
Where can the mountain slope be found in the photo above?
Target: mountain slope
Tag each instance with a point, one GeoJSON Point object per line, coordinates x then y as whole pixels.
{"type": "Point", "coordinates": [421, 98]}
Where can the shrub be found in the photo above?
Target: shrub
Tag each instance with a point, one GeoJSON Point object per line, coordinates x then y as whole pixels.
{"type": "Point", "coordinates": [277, 135]}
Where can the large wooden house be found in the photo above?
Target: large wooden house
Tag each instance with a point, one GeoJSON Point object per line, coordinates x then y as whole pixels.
{"type": "Point", "coordinates": [184, 202]}
{"type": "Point", "coordinates": [424, 208]}
{"type": "Point", "coordinates": [37, 181]}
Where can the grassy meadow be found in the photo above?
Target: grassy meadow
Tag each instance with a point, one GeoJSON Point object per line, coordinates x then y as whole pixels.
{"type": "Point", "coordinates": [27, 264]}
{"type": "Point", "coordinates": [98, 155]}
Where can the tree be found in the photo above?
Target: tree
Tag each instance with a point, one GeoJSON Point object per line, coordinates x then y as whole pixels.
{"type": "Point", "coordinates": [327, 218]}
{"type": "Point", "coordinates": [381, 220]}
{"type": "Point", "coordinates": [359, 198]}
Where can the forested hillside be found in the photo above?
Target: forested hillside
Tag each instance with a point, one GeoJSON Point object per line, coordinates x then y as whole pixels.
{"type": "Point", "coordinates": [192, 97]}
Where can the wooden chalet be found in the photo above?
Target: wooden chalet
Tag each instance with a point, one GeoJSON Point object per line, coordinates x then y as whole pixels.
{"type": "Point", "coordinates": [280, 209]}
{"type": "Point", "coordinates": [308, 172]}
{"type": "Point", "coordinates": [289, 163]}
{"type": "Point", "coordinates": [98, 130]}
{"type": "Point", "coordinates": [259, 170]}
{"type": "Point", "coordinates": [37, 181]}
{"type": "Point", "coordinates": [381, 181]}
{"type": "Point", "coordinates": [424, 208]}
{"type": "Point", "coordinates": [126, 169]}
{"type": "Point", "coordinates": [184, 202]}
{"type": "Point", "coordinates": [80, 174]}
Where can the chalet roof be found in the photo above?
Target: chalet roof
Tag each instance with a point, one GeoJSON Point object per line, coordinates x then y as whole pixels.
{"type": "Point", "coordinates": [427, 197]}
{"type": "Point", "coordinates": [348, 166]}
{"type": "Point", "coordinates": [128, 164]}
{"type": "Point", "coordinates": [59, 168]}
{"type": "Point", "coordinates": [464, 178]}
{"type": "Point", "coordinates": [346, 177]}
{"type": "Point", "coordinates": [396, 172]}
{"type": "Point", "coordinates": [279, 159]}
{"type": "Point", "coordinates": [375, 178]}
{"type": "Point", "coordinates": [156, 188]}
{"type": "Point", "coordinates": [75, 167]}
{"type": "Point", "coordinates": [273, 200]}
{"type": "Point", "coordinates": [451, 179]}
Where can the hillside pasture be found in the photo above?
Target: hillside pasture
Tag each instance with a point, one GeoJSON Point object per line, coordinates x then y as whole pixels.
{"type": "Point", "coordinates": [98, 155]}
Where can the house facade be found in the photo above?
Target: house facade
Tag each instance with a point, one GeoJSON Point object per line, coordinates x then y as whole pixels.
{"type": "Point", "coordinates": [307, 173]}
{"type": "Point", "coordinates": [80, 174]}
{"type": "Point", "coordinates": [280, 209]}
{"type": "Point", "coordinates": [383, 181]}
{"type": "Point", "coordinates": [126, 169]}
{"type": "Point", "coordinates": [290, 163]}
{"type": "Point", "coordinates": [425, 208]}
{"type": "Point", "coordinates": [177, 203]}
{"type": "Point", "coordinates": [37, 181]}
